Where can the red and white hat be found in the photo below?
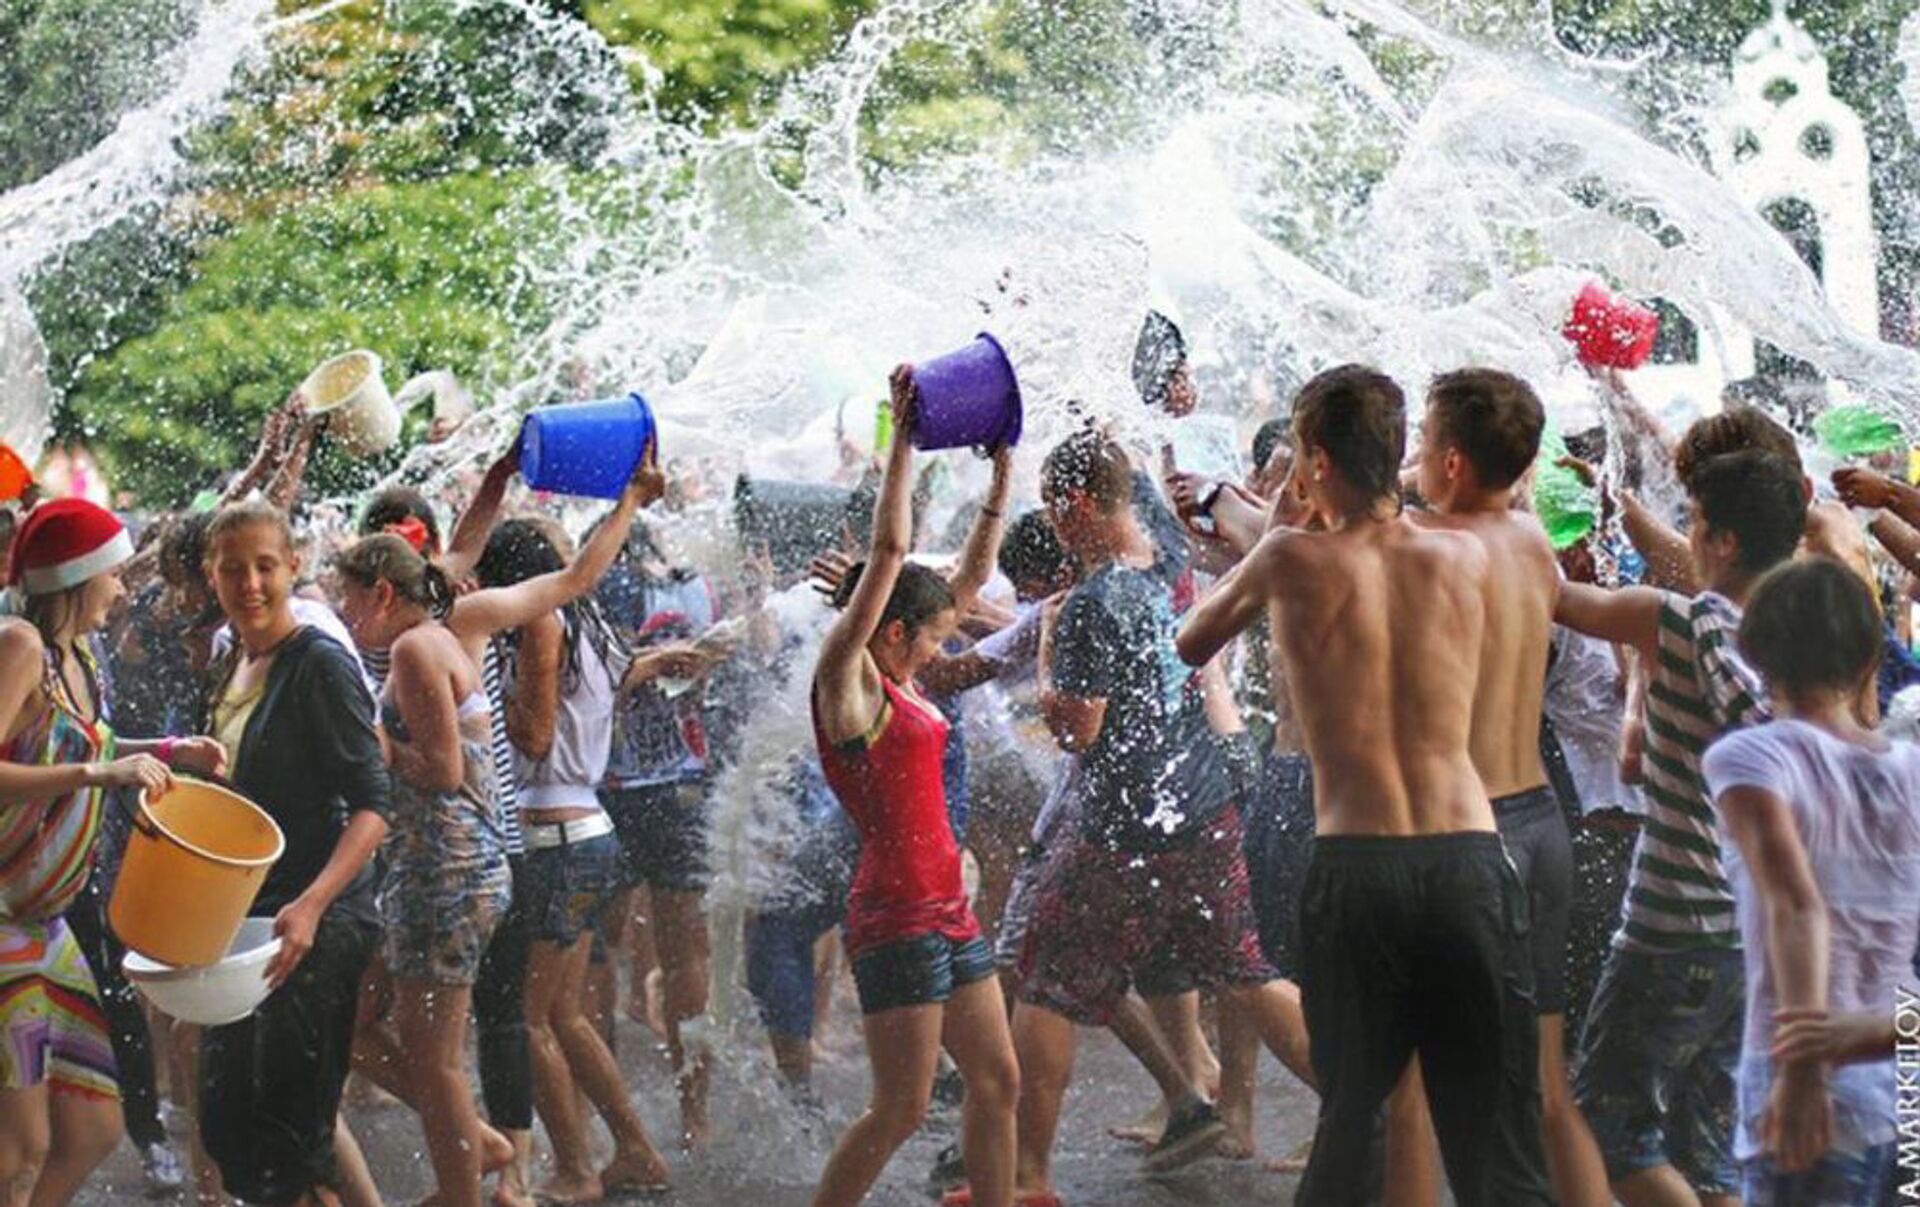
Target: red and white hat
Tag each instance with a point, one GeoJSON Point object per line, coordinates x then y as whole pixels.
{"type": "Point", "coordinates": [64, 543]}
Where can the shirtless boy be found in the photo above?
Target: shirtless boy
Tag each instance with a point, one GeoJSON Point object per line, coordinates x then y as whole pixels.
{"type": "Point", "coordinates": [1482, 432]}
{"type": "Point", "coordinates": [1413, 933]}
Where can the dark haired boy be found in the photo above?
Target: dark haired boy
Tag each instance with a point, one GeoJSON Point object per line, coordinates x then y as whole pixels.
{"type": "Point", "coordinates": [1413, 932]}
{"type": "Point", "coordinates": [1655, 1071]}
{"type": "Point", "coordinates": [1156, 866]}
{"type": "Point", "coordinates": [1481, 434]}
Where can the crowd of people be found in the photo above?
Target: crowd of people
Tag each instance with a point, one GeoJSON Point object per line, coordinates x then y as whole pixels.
{"type": "Point", "coordinates": [1559, 872]}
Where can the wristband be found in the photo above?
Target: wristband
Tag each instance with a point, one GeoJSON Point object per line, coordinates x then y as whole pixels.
{"type": "Point", "coordinates": [1208, 497]}
{"type": "Point", "coordinates": [164, 751]}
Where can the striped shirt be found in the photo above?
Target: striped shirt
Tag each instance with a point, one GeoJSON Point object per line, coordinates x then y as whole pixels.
{"type": "Point", "coordinates": [1678, 897]}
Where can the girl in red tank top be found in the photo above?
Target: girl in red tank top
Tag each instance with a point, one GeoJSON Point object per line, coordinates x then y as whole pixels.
{"type": "Point", "coordinates": [924, 973]}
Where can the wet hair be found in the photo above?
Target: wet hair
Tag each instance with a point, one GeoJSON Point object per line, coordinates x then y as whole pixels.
{"type": "Point", "coordinates": [1031, 553]}
{"type": "Point", "coordinates": [183, 548]}
{"type": "Point", "coordinates": [1089, 463]}
{"type": "Point", "coordinates": [1589, 445]}
{"type": "Point", "coordinates": [1358, 416]}
{"type": "Point", "coordinates": [1493, 418]}
{"type": "Point", "coordinates": [520, 549]}
{"type": "Point", "coordinates": [1810, 625]}
{"type": "Point", "coordinates": [251, 514]}
{"type": "Point", "coordinates": [919, 595]}
{"type": "Point", "coordinates": [396, 504]}
{"type": "Point", "coordinates": [386, 558]}
{"type": "Point", "coordinates": [1758, 498]}
{"type": "Point", "coordinates": [1733, 430]}
{"type": "Point", "coordinates": [1273, 435]}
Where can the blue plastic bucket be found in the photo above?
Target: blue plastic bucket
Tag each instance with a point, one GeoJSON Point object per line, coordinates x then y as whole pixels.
{"type": "Point", "coordinates": [969, 397]}
{"type": "Point", "coordinates": [585, 448]}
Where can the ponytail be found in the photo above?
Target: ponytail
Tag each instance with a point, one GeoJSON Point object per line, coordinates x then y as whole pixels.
{"type": "Point", "coordinates": [387, 558]}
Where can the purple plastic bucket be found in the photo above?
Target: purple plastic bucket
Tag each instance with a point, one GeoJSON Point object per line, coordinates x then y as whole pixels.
{"type": "Point", "coordinates": [968, 398]}
{"type": "Point", "coordinates": [585, 448]}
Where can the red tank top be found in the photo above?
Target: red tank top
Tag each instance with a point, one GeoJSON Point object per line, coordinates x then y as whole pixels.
{"type": "Point", "coordinates": [889, 782]}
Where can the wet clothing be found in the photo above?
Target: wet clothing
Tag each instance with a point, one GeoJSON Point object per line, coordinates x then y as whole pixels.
{"type": "Point", "coordinates": [53, 1029]}
{"type": "Point", "coordinates": [1101, 917]}
{"type": "Point", "coordinates": [447, 884]}
{"type": "Point", "coordinates": [500, 1012]}
{"type": "Point", "coordinates": [311, 758]}
{"type": "Point", "coordinates": [659, 739]}
{"type": "Point", "coordinates": [1533, 828]}
{"type": "Point", "coordinates": [920, 971]}
{"type": "Point", "coordinates": [1419, 946]}
{"type": "Point", "coordinates": [1864, 1179]}
{"type": "Point", "coordinates": [124, 1011]}
{"type": "Point", "coordinates": [47, 847]}
{"type": "Point", "coordinates": [1857, 811]}
{"type": "Point", "coordinates": [662, 831]}
{"type": "Point", "coordinates": [888, 781]}
{"type": "Point", "coordinates": [1654, 1075]}
{"type": "Point", "coordinates": [270, 1084]}
{"type": "Point", "coordinates": [810, 900]}
{"type": "Point", "coordinates": [566, 887]}
{"type": "Point", "coordinates": [1155, 773]}
{"type": "Point", "coordinates": [1657, 1059]}
{"type": "Point", "coordinates": [1280, 827]}
{"type": "Point", "coordinates": [568, 775]}
{"type": "Point", "coordinates": [1700, 688]}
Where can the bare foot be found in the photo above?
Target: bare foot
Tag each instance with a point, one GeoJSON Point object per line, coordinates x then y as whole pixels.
{"type": "Point", "coordinates": [642, 1170]}
{"type": "Point", "coordinates": [695, 1128]}
{"type": "Point", "coordinates": [1295, 1161]}
{"type": "Point", "coordinates": [1234, 1148]}
{"type": "Point", "coordinates": [496, 1151]}
{"type": "Point", "coordinates": [511, 1196]}
{"type": "Point", "coordinates": [644, 1004]}
{"type": "Point", "coordinates": [1145, 1130]}
{"type": "Point", "coordinates": [566, 1191]}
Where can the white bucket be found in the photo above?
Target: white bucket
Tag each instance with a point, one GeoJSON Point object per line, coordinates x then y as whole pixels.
{"type": "Point", "coordinates": [349, 389]}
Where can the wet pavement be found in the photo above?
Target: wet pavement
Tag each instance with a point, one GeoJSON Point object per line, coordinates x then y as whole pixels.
{"type": "Point", "coordinates": [768, 1152]}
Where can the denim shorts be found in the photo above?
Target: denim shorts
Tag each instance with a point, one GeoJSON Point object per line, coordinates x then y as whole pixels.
{"type": "Point", "coordinates": [1840, 1180]}
{"type": "Point", "coordinates": [1655, 1075]}
{"type": "Point", "coordinates": [663, 835]}
{"type": "Point", "coordinates": [567, 886]}
{"type": "Point", "coordinates": [919, 971]}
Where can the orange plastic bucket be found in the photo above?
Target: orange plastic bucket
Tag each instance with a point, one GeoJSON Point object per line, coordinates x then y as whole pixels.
{"type": "Point", "coordinates": [194, 864]}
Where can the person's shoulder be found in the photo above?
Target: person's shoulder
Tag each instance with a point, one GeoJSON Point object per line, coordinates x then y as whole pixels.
{"type": "Point", "coordinates": [20, 644]}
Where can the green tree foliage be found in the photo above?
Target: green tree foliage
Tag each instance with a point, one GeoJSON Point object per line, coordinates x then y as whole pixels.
{"type": "Point", "coordinates": [717, 59]}
{"type": "Point", "coordinates": [69, 68]}
{"type": "Point", "coordinates": [371, 92]}
{"type": "Point", "coordinates": [425, 274]}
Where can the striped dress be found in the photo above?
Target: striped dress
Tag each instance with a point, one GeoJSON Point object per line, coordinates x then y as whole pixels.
{"type": "Point", "coordinates": [52, 1028]}
{"type": "Point", "coordinates": [1678, 897]}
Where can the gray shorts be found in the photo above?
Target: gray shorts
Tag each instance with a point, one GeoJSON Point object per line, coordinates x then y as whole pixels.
{"type": "Point", "coordinates": [1533, 827]}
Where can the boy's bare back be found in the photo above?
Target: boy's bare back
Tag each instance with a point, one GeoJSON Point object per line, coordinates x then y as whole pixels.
{"type": "Point", "coordinates": [1377, 629]}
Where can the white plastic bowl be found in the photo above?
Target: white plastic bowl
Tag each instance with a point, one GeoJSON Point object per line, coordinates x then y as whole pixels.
{"type": "Point", "coordinates": [219, 993]}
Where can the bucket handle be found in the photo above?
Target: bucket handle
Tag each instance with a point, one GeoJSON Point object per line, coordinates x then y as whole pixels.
{"type": "Point", "coordinates": [143, 819]}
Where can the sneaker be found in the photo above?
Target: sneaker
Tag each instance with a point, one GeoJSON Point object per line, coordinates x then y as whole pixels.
{"type": "Point", "coordinates": [1192, 1131]}
{"type": "Point", "coordinates": [949, 1170]}
{"type": "Point", "coordinates": [165, 1173]}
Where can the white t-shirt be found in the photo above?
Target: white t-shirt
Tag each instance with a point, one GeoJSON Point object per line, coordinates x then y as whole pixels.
{"type": "Point", "coordinates": [1858, 814]}
{"type": "Point", "coordinates": [1586, 703]}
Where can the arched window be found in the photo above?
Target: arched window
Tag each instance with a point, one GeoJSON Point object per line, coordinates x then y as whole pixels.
{"type": "Point", "coordinates": [1796, 220]}
{"type": "Point", "coordinates": [1678, 342]}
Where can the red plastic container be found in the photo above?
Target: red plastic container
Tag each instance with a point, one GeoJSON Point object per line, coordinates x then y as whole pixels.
{"type": "Point", "coordinates": [1610, 332]}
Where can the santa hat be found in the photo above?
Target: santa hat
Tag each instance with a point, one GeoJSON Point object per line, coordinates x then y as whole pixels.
{"type": "Point", "coordinates": [64, 543]}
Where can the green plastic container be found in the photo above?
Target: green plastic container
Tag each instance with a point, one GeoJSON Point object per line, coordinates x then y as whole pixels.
{"type": "Point", "coordinates": [1568, 508]}
{"type": "Point", "coordinates": [1857, 431]}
